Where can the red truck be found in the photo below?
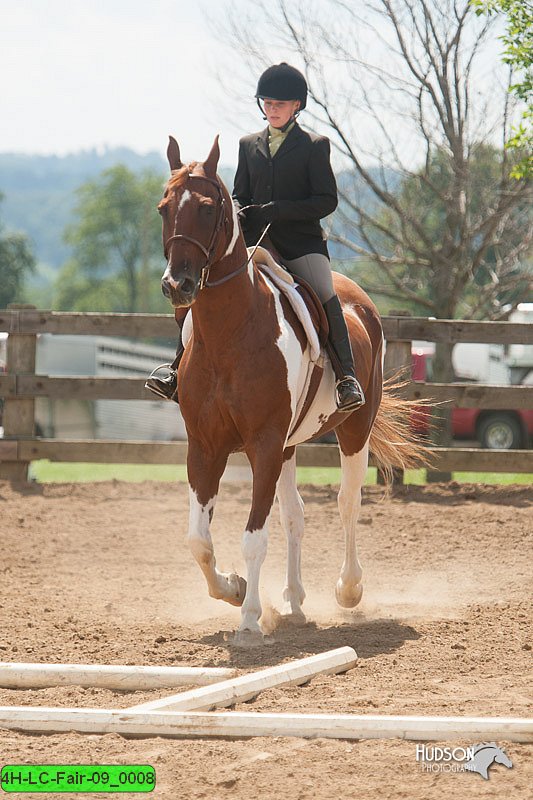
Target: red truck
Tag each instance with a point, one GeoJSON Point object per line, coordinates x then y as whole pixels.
{"type": "Point", "coordinates": [495, 429]}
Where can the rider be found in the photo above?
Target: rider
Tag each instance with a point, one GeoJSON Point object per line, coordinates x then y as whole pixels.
{"type": "Point", "coordinates": [292, 194]}
{"type": "Point", "coordinates": [284, 178]}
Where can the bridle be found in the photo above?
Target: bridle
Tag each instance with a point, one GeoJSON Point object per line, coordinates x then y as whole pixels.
{"type": "Point", "coordinates": [208, 251]}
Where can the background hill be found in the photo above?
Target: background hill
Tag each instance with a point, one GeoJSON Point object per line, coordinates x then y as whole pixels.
{"type": "Point", "coordinates": [39, 193]}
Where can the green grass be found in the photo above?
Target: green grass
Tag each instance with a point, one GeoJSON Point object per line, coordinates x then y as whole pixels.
{"type": "Point", "coordinates": [52, 472]}
{"type": "Point", "coordinates": [56, 472]}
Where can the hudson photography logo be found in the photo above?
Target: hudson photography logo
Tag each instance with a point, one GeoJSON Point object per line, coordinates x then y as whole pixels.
{"type": "Point", "coordinates": [476, 758]}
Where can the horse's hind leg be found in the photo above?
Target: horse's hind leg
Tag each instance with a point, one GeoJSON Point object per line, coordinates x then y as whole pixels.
{"type": "Point", "coordinates": [291, 509]}
{"type": "Point", "coordinates": [349, 588]}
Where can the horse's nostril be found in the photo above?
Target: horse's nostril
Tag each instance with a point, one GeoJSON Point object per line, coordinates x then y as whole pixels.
{"type": "Point", "coordinates": [187, 287]}
{"type": "Point", "coordinates": [165, 288]}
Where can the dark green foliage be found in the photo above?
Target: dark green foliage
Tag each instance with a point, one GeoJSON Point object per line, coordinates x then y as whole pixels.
{"type": "Point", "coordinates": [116, 245]}
{"type": "Point", "coordinates": [16, 264]}
{"type": "Point", "coordinates": [518, 53]}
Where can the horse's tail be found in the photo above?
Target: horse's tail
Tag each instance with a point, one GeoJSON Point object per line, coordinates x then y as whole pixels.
{"type": "Point", "coordinates": [393, 442]}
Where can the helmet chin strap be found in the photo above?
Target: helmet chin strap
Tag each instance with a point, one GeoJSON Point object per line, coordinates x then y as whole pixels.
{"type": "Point", "coordinates": [287, 124]}
{"type": "Point", "coordinates": [284, 128]}
{"type": "Point", "coordinates": [261, 109]}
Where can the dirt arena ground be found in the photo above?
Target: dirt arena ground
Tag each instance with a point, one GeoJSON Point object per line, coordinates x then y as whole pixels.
{"type": "Point", "coordinates": [101, 573]}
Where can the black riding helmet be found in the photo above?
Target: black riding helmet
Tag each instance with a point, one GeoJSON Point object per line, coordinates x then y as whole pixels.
{"type": "Point", "coordinates": [282, 82]}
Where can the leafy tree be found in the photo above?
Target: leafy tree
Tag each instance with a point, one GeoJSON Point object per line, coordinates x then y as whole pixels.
{"type": "Point", "coordinates": [518, 41]}
{"type": "Point", "coordinates": [16, 262]}
{"type": "Point", "coordinates": [116, 241]}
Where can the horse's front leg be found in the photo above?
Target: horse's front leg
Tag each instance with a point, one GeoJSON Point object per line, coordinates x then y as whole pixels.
{"type": "Point", "coordinates": [266, 458]}
{"type": "Point", "coordinates": [204, 473]}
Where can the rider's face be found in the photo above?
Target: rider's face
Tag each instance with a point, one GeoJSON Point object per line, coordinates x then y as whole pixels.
{"type": "Point", "coordinates": [279, 112]}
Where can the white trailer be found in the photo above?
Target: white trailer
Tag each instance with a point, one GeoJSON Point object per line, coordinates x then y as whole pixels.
{"type": "Point", "coordinates": [102, 356]}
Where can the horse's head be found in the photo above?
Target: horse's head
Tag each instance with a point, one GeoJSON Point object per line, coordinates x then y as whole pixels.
{"type": "Point", "coordinates": [195, 224]}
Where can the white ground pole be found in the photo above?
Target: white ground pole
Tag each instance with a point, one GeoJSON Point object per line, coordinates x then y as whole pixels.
{"type": "Point", "coordinates": [234, 690]}
{"type": "Point", "coordinates": [235, 724]}
{"type": "Point", "coordinates": [40, 676]}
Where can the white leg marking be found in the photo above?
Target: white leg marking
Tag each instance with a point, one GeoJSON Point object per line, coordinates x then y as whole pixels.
{"type": "Point", "coordinates": [291, 509]}
{"type": "Point", "coordinates": [254, 548]}
{"type": "Point", "coordinates": [221, 586]}
{"type": "Point", "coordinates": [349, 588]}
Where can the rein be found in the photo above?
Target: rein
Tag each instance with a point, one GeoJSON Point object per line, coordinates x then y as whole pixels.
{"type": "Point", "coordinates": [209, 250]}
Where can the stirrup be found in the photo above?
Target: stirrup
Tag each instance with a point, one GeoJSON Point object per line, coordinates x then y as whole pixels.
{"type": "Point", "coordinates": [357, 398]}
{"type": "Point", "coordinates": [153, 381]}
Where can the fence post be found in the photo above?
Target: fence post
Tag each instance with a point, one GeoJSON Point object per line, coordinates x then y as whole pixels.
{"type": "Point", "coordinates": [397, 360]}
{"type": "Point", "coordinates": [19, 413]}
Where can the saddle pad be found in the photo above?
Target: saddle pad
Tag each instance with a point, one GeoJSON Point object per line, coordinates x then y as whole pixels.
{"type": "Point", "coordinates": [283, 281]}
{"type": "Point", "coordinates": [286, 284]}
{"type": "Point", "coordinates": [262, 256]}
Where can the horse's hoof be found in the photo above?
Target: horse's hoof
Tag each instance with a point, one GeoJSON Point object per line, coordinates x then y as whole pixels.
{"type": "Point", "coordinates": [237, 590]}
{"type": "Point", "coordinates": [348, 596]}
{"type": "Point", "coordinates": [293, 618]}
{"type": "Point", "coordinates": [247, 638]}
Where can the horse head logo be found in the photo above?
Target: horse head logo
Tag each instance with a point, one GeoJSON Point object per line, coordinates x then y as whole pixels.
{"type": "Point", "coordinates": [485, 755]}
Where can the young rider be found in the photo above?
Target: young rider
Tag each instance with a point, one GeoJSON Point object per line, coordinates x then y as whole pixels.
{"type": "Point", "coordinates": [284, 178]}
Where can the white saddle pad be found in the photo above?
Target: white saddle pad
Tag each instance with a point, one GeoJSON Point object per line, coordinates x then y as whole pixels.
{"type": "Point", "coordinates": [283, 281]}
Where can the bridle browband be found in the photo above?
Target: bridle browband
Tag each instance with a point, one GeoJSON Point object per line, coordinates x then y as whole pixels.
{"type": "Point", "coordinates": [208, 251]}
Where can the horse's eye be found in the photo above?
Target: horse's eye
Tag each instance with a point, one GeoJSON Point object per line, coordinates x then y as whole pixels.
{"type": "Point", "coordinates": [207, 209]}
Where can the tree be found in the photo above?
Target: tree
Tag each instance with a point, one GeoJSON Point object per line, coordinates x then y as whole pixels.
{"type": "Point", "coordinates": [497, 283]}
{"type": "Point", "coordinates": [396, 83]}
{"type": "Point", "coordinates": [116, 241]}
{"type": "Point", "coordinates": [16, 263]}
{"type": "Point", "coordinates": [518, 53]}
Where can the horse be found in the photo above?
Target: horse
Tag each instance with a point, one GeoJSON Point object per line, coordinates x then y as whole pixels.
{"type": "Point", "coordinates": [239, 382]}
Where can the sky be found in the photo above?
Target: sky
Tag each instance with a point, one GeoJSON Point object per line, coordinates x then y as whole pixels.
{"type": "Point", "coordinates": [77, 75]}
{"type": "Point", "coordinates": [103, 73]}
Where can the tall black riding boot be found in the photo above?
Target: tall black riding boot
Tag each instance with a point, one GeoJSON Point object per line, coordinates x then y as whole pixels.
{"type": "Point", "coordinates": [349, 392]}
{"type": "Point", "coordinates": [166, 386]}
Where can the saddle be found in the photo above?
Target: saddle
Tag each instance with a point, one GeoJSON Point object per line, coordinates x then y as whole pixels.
{"type": "Point", "coordinates": [310, 312]}
{"type": "Point", "coordinates": [300, 295]}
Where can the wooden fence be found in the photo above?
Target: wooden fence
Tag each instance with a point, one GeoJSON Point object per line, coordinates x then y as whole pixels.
{"type": "Point", "coordinates": [20, 386]}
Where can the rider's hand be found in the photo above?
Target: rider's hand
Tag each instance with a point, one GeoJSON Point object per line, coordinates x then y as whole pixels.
{"type": "Point", "coordinates": [258, 216]}
{"type": "Point", "coordinates": [269, 212]}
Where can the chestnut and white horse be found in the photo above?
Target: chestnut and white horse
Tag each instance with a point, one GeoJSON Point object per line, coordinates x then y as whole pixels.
{"type": "Point", "coordinates": [240, 381]}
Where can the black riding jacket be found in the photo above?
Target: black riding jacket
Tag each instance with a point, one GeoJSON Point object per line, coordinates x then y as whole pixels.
{"type": "Point", "coordinates": [300, 183]}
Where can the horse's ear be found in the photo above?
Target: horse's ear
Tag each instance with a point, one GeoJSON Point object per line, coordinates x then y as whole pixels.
{"type": "Point", "coordinates": [211, 162]}
{"type": "Point", "coordinates": [173, 154]}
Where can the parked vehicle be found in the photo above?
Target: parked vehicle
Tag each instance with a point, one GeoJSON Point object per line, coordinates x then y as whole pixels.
{"type": "Point", "coordinates": [495, 429]}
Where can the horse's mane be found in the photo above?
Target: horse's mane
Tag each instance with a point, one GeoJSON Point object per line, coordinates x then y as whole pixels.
{"type": "Point", "coordinates": [179, 176]}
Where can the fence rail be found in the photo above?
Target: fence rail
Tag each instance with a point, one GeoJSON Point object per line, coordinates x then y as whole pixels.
{"type": "Point", "coordinates": [32, 321]}
{"type": "Point", "coordinates": [20, 386]}
{"type": "Point", "coordinates": [462, 395]}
